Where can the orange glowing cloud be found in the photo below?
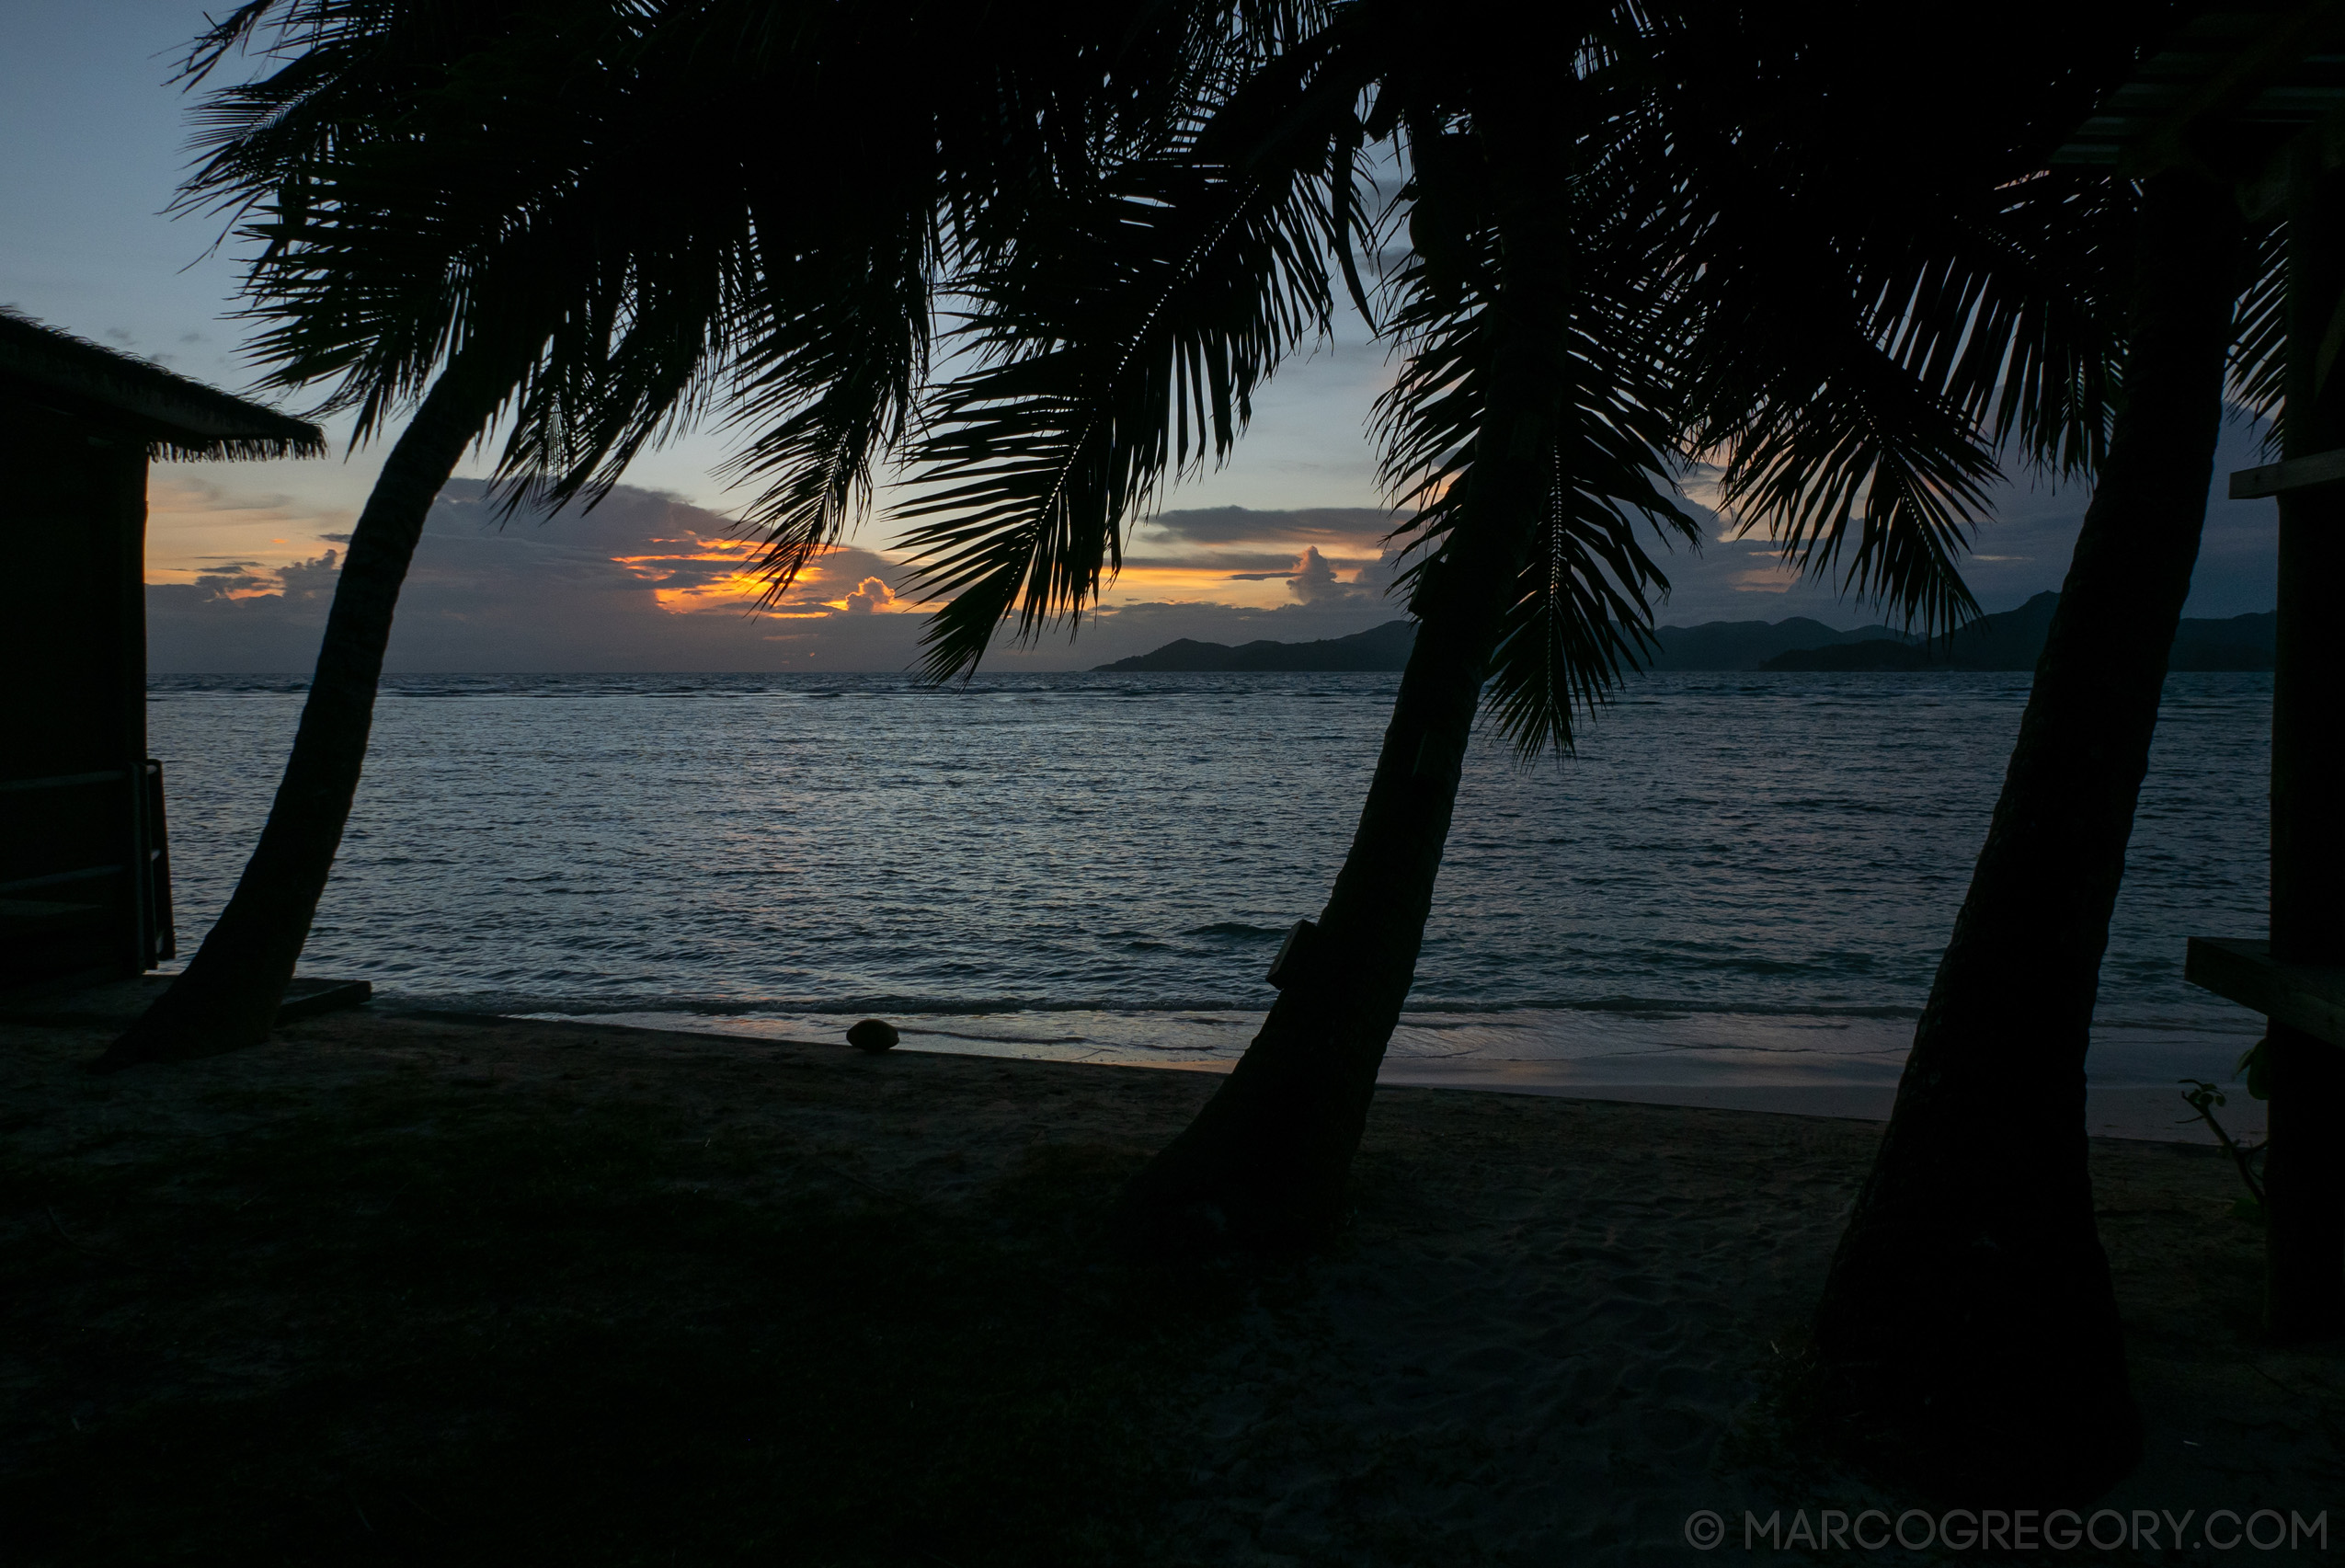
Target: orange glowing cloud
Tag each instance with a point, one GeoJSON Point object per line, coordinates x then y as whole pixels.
{"type": "Point", "coordinates": [1203, 584]}
{"type": "Point", "coordinates": [871, 596]}
{"type": "Point", "coordinates": [702, 572]}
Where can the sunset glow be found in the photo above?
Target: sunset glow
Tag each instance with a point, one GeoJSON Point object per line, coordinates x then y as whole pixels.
{"type": "Point", "coordinates": [204, 523]}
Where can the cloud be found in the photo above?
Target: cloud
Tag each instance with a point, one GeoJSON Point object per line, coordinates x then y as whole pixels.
{"type": "Point", "coordinates": [1773, 575]}
{"type": "Point", "coordinates": [197, 516]}
{"type": "Point", "coordinates": [1342, 526]}
{"type": "Point", "coordinates": [310, 582]}
{"type": "Point", "coordinates": [1323, 556]}
{"type": "Point", "coordinates": [647, 583]}
{"type": "Point", "coordinates": [1267, 542]}
{"type": "Point", "coordinates": [642, 582]}
{"type": "Point", "coordinates": [1314, 581]}
{"type": "Point", "coordinates": [1253, 566]}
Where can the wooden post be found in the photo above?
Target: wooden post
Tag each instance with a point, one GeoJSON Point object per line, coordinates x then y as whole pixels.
{"type": "Point", "coordinates": [122, 512]}
{"type": "Point", "coordinates": [2304, 1181]}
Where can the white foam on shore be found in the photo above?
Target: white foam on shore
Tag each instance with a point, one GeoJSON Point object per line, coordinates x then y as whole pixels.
{"type": "Point", "coordinates": [1810, 1065]}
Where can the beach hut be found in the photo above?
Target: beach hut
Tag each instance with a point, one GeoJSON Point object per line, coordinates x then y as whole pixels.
{"type": "Point", "coordinates": [85, 871]}
{"type": "Point", "coordinates": [2255, 95]}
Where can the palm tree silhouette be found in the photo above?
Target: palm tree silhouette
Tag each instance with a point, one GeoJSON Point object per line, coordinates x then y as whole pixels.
{"type": "Point", "coordinates": [1969, 1313]}
{"type": "Point", "coordinates": [1636, 232]}
{"type": "Point", "coordinates": [1682, 251]}
{"type": "Point", "coordinates": [1532, 427]}
{"type": "Point", "coordinates": [1968, 1320]}
{"type": "Point", "coordinates": [1861, 328]}
{"type": "Point", "coordinates": [595, 220]}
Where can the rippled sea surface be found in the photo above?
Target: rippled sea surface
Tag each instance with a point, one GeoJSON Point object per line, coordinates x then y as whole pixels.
{"type": "Point", "coordinates": [1104, 864]}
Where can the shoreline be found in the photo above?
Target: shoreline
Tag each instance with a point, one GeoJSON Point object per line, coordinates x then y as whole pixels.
{"type": "Point", "coordinates": [1797, 1066]}
{"type": "Point", "coordinates": [1857, 1084]}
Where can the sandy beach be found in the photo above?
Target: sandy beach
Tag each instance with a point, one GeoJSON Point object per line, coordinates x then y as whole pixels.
{"type": "Point", "coordinates": [1550, 1334]}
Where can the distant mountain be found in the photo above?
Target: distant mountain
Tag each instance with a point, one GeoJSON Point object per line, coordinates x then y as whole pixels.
{"type": "Point", "coordinates": [1747, 645]}
{"type": "Point", "coordinates": [1383, 647]}
{"type": "Point", "coordinates": [1719, 644]}
{"type": "Point", "coordinates": [2012, 641]}
{"type": "Point", "coordinates": [2008, 641]}
{"type": "Point", "coordinates": [1875, 653]}
{"type": "Point", "coordinates": [2242, 642]}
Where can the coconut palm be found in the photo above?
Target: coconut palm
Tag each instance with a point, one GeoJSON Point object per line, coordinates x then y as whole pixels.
{"type": "Point", "coordinates": [595, 217]}
{"type": "Point", "coordinates": [1969, 1316]}
{"type": "Point", "coordinates": [1527, 422]}
{"type": "Point", "coordinates": [1862, 328]}
{"type": "Point", "coordinates": [530, 205]}
{"type": "Point", "coordinates": [1863, 360]}
{"type": "Point", "coordinates": [1969, 1329]}
{"type": "Point", "coordinates": [1643, 230]}
{"type": "Point", "coordinates": [1704, 279]}
{"type": "Point", "coordinates": [367, 91]}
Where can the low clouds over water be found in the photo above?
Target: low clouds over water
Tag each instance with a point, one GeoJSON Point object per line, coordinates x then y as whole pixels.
{"type": "Point", "coordinates": [641, 582]}
{"type": "Point", "coordinates": [1328, 558]}
{"type": "Point", "coordinates": [647, 583]}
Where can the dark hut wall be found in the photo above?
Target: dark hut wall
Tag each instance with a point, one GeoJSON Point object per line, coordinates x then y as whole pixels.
{"type": "Point", "coordinates": [73, 519]}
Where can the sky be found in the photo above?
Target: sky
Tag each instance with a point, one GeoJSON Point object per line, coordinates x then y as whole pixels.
{"type": "Point", "coordinates": [1285, 541]}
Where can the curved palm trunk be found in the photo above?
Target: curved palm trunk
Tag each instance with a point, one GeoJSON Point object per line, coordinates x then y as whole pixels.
{"type": "Point", "coordinates": [1265, 1161]}
{"type": "Point", "coordinates": [1968, 1328]}
{"type": "Point", "coordinates": [229, 994]}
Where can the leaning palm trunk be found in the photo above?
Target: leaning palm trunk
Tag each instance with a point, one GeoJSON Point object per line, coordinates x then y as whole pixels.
{"type": "Point", "coordinates": [229, 995]}
{"type": "Point", "coordinates": [1266, 1163]}
{"type": "Point", "coordinates": [1968, 1328]}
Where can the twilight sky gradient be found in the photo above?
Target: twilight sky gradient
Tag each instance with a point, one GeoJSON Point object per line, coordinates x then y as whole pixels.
{"type": "Point", "coordinates": [1284, 542]}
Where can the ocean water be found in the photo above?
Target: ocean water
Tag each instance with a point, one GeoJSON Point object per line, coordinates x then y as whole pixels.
{"type": "Point", "coordinates": [1739, 884]}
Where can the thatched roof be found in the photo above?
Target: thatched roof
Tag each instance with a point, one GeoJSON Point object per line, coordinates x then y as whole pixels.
{"type": "Point", "coordinates": [177, 417]}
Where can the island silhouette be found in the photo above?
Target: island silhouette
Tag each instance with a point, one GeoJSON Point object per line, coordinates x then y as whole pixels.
{"type": "Point", "coordinates": [2008, 641]}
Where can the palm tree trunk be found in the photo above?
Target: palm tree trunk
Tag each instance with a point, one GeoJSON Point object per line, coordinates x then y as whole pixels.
{"type": "Point", "coordinates": [1265, 1163]}
{"type": "Point", "coordinates": [1968, 1328]}
{"type": "Point", "coordinates": [229, 994]}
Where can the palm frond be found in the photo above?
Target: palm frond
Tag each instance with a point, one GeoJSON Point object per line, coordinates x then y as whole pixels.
{"type": "Point", "coordinates": [1886, 317]}
{"type": "Point", "coordinates": [2259, 352]}
{"type": "Point", "coordinates": [616, 192]}
{"type": "Point", "coordinates": [1580, 616]}
{"type": "Point", "coordinates": [1141, 361]}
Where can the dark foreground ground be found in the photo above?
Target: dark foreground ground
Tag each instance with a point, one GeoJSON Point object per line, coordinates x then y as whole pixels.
{"type": "Point", "coordinates": [431, 1290]}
